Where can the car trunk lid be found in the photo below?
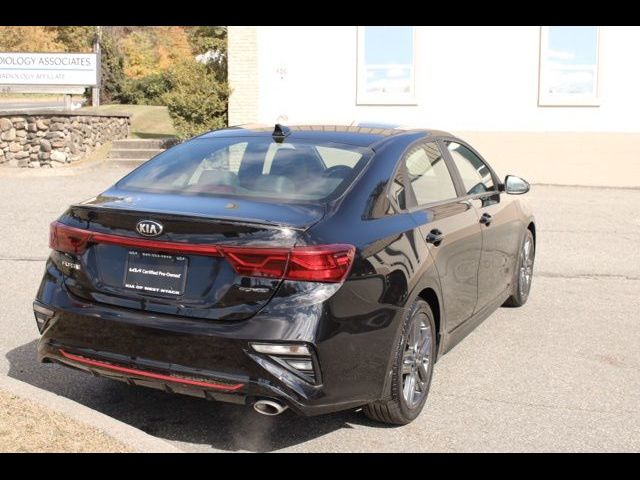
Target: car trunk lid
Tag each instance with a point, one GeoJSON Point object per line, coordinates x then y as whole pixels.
{"type": "Point", "coordinates": [188, 267]}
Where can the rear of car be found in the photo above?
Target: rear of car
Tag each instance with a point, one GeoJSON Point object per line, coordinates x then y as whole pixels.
{"type": "Point", "coordinates": [196, 274]}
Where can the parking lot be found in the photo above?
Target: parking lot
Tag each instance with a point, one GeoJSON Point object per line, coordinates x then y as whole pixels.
{"type": "Point", "coordinates": [560, 374]}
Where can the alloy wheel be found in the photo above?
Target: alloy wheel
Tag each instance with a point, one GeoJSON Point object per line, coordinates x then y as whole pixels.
{"type": "Point", "coordinates": [415, 362]}
{"type": "Point", "coordinates": [526, 266]}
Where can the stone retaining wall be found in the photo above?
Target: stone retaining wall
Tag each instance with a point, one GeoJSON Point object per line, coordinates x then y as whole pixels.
{"type": "Point", "coordinates": [52, 139]}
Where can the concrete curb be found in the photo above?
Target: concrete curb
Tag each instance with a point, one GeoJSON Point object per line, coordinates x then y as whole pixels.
{"type": "Point", "coordinates": [137, 440]}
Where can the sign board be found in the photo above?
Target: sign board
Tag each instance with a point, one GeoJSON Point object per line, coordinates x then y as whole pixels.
{"type": "Point", "coordinates": [63, 69]}
{"type": "Point", "coordinates": [43, 89]}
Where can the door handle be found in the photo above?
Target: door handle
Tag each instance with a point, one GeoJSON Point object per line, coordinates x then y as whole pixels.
{"type": "Point", "coordinates": [485, 219]}
{"type": "Point", "coordinates": [435, 236]}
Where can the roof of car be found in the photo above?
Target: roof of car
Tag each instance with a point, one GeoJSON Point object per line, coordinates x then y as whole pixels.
{"type": "Point", "coordinates": [362, 134]}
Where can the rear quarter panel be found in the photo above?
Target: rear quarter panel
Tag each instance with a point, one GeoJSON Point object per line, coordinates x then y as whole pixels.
{"type": "Point", "coordinates": [392, 266]}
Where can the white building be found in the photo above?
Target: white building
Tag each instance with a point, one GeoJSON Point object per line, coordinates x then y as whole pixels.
{"type": "Point", "coordinates": [554, 104]}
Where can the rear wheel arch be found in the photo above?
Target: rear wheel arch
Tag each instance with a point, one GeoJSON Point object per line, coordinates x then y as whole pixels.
{"type": "Point", "coordinates": [532, 227]}
{"type": "Point", "coordinates": [430, 296]}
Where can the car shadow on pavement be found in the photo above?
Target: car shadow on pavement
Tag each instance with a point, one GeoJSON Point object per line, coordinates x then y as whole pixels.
{"type": "Point", "coordinates": [176, 417]}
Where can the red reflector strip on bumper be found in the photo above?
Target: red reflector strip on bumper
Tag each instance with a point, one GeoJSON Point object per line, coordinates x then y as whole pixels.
{"type": "Point", "coordinates": [157, 376]}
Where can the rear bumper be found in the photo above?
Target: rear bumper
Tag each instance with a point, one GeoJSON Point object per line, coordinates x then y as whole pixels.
{"type": "Point", "coordinates": [208, 385]}
{"type": "Point", "coordinates": [214, 359]}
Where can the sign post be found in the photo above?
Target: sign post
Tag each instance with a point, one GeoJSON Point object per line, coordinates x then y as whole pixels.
{"type": "Point", "coordinates": [95, 91]}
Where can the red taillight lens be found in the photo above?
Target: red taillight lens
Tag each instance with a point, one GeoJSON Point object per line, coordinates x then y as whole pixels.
{"type": "Point", "coordinates": [68, 239]}
{"type": "Point", "coordinates": [257, 262]}
{"type": "Point", "coordinates": [324, 263]}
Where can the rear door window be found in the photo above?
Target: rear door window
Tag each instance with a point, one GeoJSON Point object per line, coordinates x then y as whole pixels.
{"type": "Point", "coordinates": [428, 174]}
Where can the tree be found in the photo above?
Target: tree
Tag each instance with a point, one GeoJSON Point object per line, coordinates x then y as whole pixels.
{"type": "Point", "coordinates": [111, 68]}
{"type": "Point", "coordinates": [172, 46]}
{"type": "Point", "coordinates": [139, 55]}
{"type": "Point", "coordinates": [210, 44]}
{"type": "Point", "coordinates": [75, 38]}
{"type": "Point", "coordinates": [153, 50]}
{"type": "Point", "coordinates": [197, 102]}
{"type": "Point", "coordinates": [204, 39]}
{"type": "Point", "coordinates": [29, 39]}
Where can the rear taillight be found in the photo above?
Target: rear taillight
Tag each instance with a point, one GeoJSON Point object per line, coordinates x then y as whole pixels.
{"type": "Point", "coordinates": [324, 263]}
{"type": "Point", "coordinates": [257, 262]}
{"type": "Point", "coordinates": [321, 263]}
{"type": "Point", "coordinates": [63, 238]}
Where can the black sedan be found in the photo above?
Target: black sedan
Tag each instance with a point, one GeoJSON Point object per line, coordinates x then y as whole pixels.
{"type": "Point", "coordinates": [317, 268]}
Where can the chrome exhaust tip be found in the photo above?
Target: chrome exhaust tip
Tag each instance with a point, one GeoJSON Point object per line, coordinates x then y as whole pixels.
{"type": "Point", "coordinates": [269, 407]}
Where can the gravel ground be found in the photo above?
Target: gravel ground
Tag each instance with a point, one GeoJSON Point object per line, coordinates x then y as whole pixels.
{"type": "Point", "coordinates": [27, 427]}
{"type": "Point", "coordinates": [560, 374]}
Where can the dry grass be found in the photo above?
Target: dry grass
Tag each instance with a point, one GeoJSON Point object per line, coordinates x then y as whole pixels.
{"type": "Point", "coordinates": [28, 427]}
{"type": "Point", "coordinates": [98, 154]}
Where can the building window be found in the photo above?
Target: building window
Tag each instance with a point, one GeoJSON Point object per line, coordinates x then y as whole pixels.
{"type": "Point", "coordinates": [568, 66]}
{"type": "Point", "coordinates": [386, 72]}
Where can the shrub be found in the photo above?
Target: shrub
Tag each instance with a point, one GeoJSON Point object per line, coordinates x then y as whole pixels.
{"type": "Point", "coordinates": [197, 102]}
{"type": "Point", "coordinates": [146, 90]}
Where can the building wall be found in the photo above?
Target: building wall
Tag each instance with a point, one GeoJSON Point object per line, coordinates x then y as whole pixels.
{"type": "Point", "coordinates": [242, 71]}
{"type": "Point", "coordinates": [480, 82]}
{"type": "Point", "coordinates": [467, 78]}
{"type": "Point", "coordinates": [562, 158]}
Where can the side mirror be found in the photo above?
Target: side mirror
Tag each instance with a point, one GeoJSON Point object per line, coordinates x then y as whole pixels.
{"type": "Point", "coordinates": [515, 185]}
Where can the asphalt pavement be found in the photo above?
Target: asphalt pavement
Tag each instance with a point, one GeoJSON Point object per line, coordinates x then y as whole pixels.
{"type": "Point", "coordinates": [560, 374]}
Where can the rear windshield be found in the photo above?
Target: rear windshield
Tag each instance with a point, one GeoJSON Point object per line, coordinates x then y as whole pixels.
{"type": "Point", "coordinates": [251, 167]}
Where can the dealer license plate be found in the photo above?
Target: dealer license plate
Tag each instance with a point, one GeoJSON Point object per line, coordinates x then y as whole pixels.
{"type": "Point", "coordinates": [155, 273]}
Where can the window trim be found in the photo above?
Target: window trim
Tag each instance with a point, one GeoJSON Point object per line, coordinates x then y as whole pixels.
{"type": "Point", "coordinates": [362, 98]}
{"type": "Point", "coordinates": [567, 100]}
{"type": "Point", "coordinates": [390, 198]}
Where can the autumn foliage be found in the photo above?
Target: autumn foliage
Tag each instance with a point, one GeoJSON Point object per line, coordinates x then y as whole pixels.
{"type": "Point", "coordinates": [146, 65]}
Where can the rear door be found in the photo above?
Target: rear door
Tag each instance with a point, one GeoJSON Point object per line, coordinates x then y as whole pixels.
{"type": "Point", "coordinates": [448, 226]}
{"type": "Point", "coordinates": [497, 215]}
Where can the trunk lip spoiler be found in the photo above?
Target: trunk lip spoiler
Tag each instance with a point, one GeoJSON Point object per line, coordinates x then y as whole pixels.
{"type": "Point", "coordinates": [202, 217]}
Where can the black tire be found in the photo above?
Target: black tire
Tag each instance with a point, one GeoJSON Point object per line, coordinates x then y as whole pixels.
{"type": "Point", "coordinates": [396, 410]}
{"type": "Point", "coordinates": [521, 291]}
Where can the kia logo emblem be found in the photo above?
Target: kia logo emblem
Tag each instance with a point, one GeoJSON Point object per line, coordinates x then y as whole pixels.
{"type": "Point", "coordinates": [149, 228]}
